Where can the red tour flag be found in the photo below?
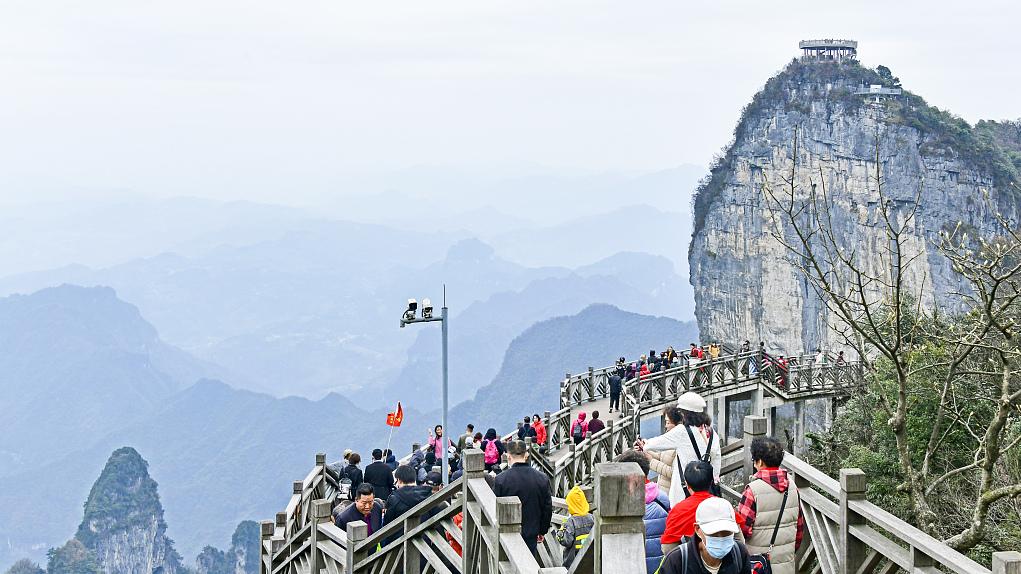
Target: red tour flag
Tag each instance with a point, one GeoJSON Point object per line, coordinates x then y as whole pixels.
{"type": "Point", "coordinates": [395, 419]}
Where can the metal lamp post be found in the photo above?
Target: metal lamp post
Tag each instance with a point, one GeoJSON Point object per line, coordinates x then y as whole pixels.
{"type": "Point", "coordinates": [427, 317]}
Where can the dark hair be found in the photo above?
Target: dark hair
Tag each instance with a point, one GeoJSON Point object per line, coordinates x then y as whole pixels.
{"type": "Point", "coordinates": [528, 419]}
{"type": "Point", "coordinates": [698, 475]}
{"type": "Point", "coordinates": [404, 474]}
{"type": "Point", "coordinates": [491, 434]}
{"type": "Point", "coordinates": [768, 450]}
{"type": "Point", "coordinates": [636, 457]}
{"type": "Point", "coordinates": [536, 417]}
{"type": "Point", "coordinates": [478, 436]}
{"type": "Point", "coordinates": [430, 457]}
{"type": "Point", "coordinates": [694, 419]}
{"type": "Point", "coordinates": [674, 414]}
{"type": "Point", "coordinates": [354, 459]}
{"type": "Point", "coordinates": [387, 452]}
{"type": "Point", "coordinates": [377, 453]}
{"type": "Point", "coordinates": [437, 428]}
{"type": "Point", "coordinates": [595, 414]}
{"type": "Point", "coordinates": [470, 427]}
{"type": "Point", "coordinates": [363, 489]}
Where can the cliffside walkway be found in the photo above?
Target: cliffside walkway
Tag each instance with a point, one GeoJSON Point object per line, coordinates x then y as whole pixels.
{"type": "Point", "coordinates": [845, 533]}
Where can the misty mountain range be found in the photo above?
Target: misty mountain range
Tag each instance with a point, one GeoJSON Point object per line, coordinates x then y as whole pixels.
{"type": "Point", "coordinates": [99, 379]}
{"type": "Point", "coordinates": [232, 341]}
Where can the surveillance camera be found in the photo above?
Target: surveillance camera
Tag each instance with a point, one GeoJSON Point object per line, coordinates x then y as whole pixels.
{"type": "Point", "coordinates": [427, 309]}
{"type": "Point", "coordinates": [409, 315]}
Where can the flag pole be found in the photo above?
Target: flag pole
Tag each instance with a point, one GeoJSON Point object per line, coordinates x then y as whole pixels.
{"type": "Point", "coordinates": [388, 442]}
{"type": "Point", "coordinates": [391, 433]}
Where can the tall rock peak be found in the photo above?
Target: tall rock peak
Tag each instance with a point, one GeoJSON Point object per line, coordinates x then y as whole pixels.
{"type": "Point", "coordinates": [123, 523]}
{"type": "Point", "coordinates": [745, 286]}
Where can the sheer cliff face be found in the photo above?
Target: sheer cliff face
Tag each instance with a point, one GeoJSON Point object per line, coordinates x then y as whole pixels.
{"type": "Point", "coordinates": [123, 525]}
{"type": "Point", "coordinates": [745, 286]}
{"type": "Point", "coordinates": [142, 548]}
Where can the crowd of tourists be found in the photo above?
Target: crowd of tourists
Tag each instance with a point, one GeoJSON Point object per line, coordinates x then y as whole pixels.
{"type": "Point", "coordinates": [689, 527]}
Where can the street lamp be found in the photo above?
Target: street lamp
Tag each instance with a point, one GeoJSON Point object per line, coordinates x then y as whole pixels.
{"type": "Point", "coordinates": [427, 317]}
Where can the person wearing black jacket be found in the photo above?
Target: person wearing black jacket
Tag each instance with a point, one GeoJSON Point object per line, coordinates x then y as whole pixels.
{"type": "Point", "coordinates": [352, 472]}
{"type": "Point", "coordinates": [379, 475]}
{"type": "Point", "coordinates": [406, 497]}
{"type": "Point", "coordinates": [615, 388]}
{"type": "Point", "coordinates": [533, 490]}
{"type": "Point", "coordinates": [526, 430]}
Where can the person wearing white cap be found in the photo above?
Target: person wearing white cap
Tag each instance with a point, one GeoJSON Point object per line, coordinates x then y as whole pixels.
{"type": "Point", "coordinates": [713, 549]}
{"type": "Point", "coordinates": [690, 434]}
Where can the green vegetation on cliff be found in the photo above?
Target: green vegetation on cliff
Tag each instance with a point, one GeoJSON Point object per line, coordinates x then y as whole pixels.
{"type": "Point", "coordinates": [123, 496]}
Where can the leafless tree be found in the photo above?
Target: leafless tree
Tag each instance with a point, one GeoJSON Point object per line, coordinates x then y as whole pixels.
{"type": "Point", "coordinates": [876, 294]}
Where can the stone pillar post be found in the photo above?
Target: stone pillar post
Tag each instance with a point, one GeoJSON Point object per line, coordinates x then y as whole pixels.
{"type": "Point", "coordinates": [619, 529]}
{"type": "Point", "coordinates": [754, 427]}
{"type": "Point", "coordinates": [320, 514]}
{"type": "Point", "coordinates": [281, 524]}
{"type": "Point", "coordinates": [508, 521]}
{"type": "Point", "coordinates": [357, 531]}
{"type": "Point", "coordinates": [265, 534]}
{"type": "Point", "coordinates": [852, 552]}
{"type": "Point", "coordinates": [799, 425]}
{"type": "Point", "coordinates": [721, 420]}
{"type": "Point", "coordinates": [1007, 562]}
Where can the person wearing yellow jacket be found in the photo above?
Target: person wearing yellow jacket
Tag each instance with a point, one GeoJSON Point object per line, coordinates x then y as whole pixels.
{"type": "Point", "coordinates": [576, 528]}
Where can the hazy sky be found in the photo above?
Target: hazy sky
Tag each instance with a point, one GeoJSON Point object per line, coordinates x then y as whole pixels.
{"type": "Point", "coordinates": [273, 100]}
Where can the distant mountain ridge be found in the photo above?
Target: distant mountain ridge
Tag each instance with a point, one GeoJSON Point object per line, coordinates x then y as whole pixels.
{"type": "Point", "coordinates": [535, 363]}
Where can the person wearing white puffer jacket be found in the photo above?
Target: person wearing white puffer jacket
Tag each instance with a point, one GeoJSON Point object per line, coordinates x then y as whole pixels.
{"type": "Point", "coordinates": [690, 434]}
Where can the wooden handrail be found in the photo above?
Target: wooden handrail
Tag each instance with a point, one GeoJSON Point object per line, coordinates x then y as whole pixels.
{"type": "Point", "coordinates": [845, 530]}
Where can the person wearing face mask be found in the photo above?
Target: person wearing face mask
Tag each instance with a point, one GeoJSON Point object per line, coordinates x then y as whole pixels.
{"type": "Point", "coordinates": [713, 549]}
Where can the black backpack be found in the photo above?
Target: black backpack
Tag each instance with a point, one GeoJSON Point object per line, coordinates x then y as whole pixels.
{"type": "Point", "coordinates": [715, 489]}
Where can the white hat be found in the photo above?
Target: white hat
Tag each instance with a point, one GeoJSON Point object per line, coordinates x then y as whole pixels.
{"type": "Point", "coordinates": [715, 515]}
{"type": "Point", "coordinates": [690, 401]}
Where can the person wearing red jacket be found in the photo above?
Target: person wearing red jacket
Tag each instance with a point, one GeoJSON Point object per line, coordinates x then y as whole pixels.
{"type": "Point", "coordinates": [680, 523]}
{"type": "Point", "coordinates": [540, 430]}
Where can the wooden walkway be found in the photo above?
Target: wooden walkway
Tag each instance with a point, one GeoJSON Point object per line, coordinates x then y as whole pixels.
{"type": "Point", "coordinates": [845, 533]}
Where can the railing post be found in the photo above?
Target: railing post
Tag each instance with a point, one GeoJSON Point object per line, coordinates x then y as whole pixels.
{"type": "Point", "coordinates": [412, 557]}
{"type": "Point", "coordinates": [508, 521]}
{"type": "Point", "coordinates": [321, 465]}
{"type": "Point", "coordinates": [620, 502]}
{"type": "Point", "coordinates": [591, 383]}
{"type": "Point", "coordinates": [278, 542]}
{"type": "Point", "coordinates": [265, 546]}
{"type": "Point", "coordinates": [320, 513]}
{"type": "Point", "coordinates": [754, 427]}
{"type": "Point", "coordinates": [852, 552]}
{"type": "Point", "coordinates": [357, 531]}
{"type": "Point", "coordinates": [474, 467]}
{"type": "Point", "coordinates": [1007, 562]}
{"type": "Point", "coordinates": [799, 425]}
{"type": "Point", "coordinates": [721, 421]}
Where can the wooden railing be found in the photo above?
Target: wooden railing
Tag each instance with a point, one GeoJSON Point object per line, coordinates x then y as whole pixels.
{"type": "Point", "coordinates": [802, 375]}
{"type": "Point", "coordinates": [845, 532]}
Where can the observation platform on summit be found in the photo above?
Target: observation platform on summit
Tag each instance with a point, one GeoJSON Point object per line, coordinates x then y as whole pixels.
{"type": "Point", "coordinates": [829, 49]}
{"type": "Point", "coordinates": [844, 532]}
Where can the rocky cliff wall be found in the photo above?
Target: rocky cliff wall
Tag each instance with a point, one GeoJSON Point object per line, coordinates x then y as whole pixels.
{"type": "Point", "coordinates": [745, 286]}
